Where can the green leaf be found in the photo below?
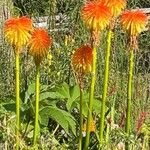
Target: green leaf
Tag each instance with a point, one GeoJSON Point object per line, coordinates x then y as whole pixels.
{"type": "Point", "coordinates": [96, 104]}
{"type": "Point", "coordinates": [62, 117]}
{"type": "Point", "coordinates": [10, 106]}
{"type": "Point", "coordinates": [74, 95]}
{"type": "Point", "coordinates": [51, 95]}
{"type": "Point", "coordinates": [2, 110]}
{"type": "Point", "coordinates": [64, 90]}
{"type": "Point", "coordinates": [31, 91]}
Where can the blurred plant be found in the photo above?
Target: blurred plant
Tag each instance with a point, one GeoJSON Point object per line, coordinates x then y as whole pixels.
{"type": "Point", "coordinates": [133, 23]}
{"type": "Point", "coordinates": [115, 7]}
{"type": "Point", "coordinates": [96, 16]}
{"type": "Point", "coordinates": [145, 129]}
{"type": "Point", "coordinates": [82, 61]}
{"type": "Point", "coordinates": [17, 33]}
{"type": "Point", "coordinates": [140, 121]}
{"type": "Point", "coordinates": [38, 47]}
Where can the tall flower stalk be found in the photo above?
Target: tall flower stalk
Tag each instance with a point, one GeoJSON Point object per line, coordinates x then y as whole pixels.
{"type": "Point", "coordinates": [91, 97]}
{"type": "Point", "coordinates": [115, 7]}
{"type": "Point", "coordinates": [17, 99]}
{"type": "Point", "coordinates": [38, 47]}
{"type": "Point", "coordinates": [81, 119]}
{"type": "Point", "coordinates": [82, 63]}
{"type": "Point", "coordinates": [105, 86]}
{"type": "Point", "coordinates": [37, 98]}
{"type": "Point", "coordinates": [129, 91]}
{"type": "Point", "coordinates": [17, 32]}
{"type": "Point", "coordinates": [133, 23]}
{"type": "Point", "coordinates": [96, 16]}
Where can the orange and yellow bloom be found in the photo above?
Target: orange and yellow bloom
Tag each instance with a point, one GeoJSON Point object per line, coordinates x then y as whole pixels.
{"type": "Point", "coordinates": [116, 6]}
{"type": "Point", "coordinates": [134, 22]}
{"type": "Point", "coordinates": [82, 59]}
{"type": "Point", "coordinates": [17, 31]}
{"type": "Point", "coordinates": [96, 15]}
{"type": "Point", "coordinates": [92, 126]}
{"type": "Point", "coordinates": [39, 44]}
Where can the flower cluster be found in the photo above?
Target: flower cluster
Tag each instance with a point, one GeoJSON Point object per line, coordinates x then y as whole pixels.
{"type": "Point", "coordinates": [98, 14]}
{"type": "Point", "coordinates": [20, 32]}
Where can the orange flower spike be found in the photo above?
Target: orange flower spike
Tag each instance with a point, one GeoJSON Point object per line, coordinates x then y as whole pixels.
{"type": "Point", "coordinates": [116, 6]}
{"type": "Point", "coordinates": [82, 59]}
{"type": "Point", "coordinates": [39, 44]}
{"type": "Point", "coordinates": [17, 31]}
{"type": "Point", "coordinates": [134, 22]}
{"type": "Point", "coordinates": [96, 15]}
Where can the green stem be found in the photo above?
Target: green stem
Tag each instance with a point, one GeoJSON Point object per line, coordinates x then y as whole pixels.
{"type": "Point", "coordinates": [109, 127]}
{"type": "Point", "coordinates": [81, 119]}
{"type": "Point", "coordinates": [107, 133]}
{"type": "Point", "coordinates": [105, 86]}
{"type": "Point", "coordinates": [17, 99]}
{"type": "Point", "coordinates": [37, 88]}
{"type": "Point", "coordinates": [129, 94]}
{"type": "Point", "coordinates": [91, 97]}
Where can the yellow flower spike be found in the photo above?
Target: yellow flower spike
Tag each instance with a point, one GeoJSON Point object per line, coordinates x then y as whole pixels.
{"type": "Point", "coordinates": [66, 40]}
{"type": "Point", "coordinates": [49, 57]}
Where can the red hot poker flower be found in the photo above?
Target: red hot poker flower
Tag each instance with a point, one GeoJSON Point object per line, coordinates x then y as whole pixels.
{"type": "Point", "coordinates": [82, 59]}
{"type": "Point", "coordinates": [134, 22]}
{"type": "Point", "coordinates": [116, 6]}
{"type": "Point", "coordinates": [39, 44]}
{"type": "Point", "coordinates": [96, 15]}
{"type": "Point", "coordinates": [17, 31]}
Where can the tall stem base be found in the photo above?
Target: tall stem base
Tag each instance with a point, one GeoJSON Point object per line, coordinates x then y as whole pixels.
{"type": "Point", "coordinates": [91, 97]}
{"type": "Point", "coordinates": [129, 96]}
{"type": "Point", "coordinates": [17, 99]}
{"type": "Point", "coordinates": [37, 88]}
{"type": "Point", "coordinates": [105, 87]}
{"type": "Point", "coordinates": [81, 119]}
